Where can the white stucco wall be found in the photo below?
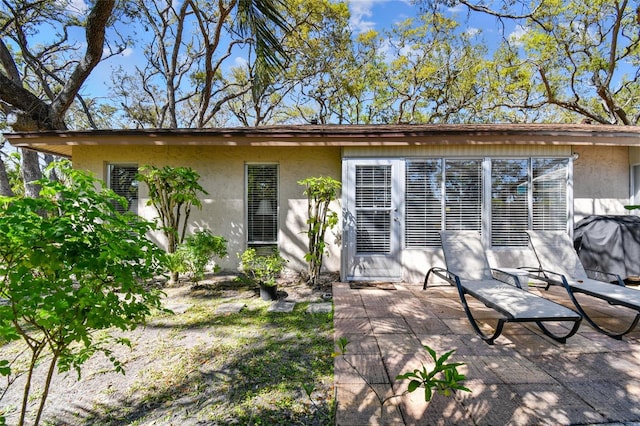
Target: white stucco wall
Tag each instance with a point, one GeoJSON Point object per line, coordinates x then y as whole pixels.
{"type": "Point", "coordinates": [601, 186]}
{"type": "Point", "coordinates": [222, 171]}
{"type": "Point", "coordinates": [600, 181]}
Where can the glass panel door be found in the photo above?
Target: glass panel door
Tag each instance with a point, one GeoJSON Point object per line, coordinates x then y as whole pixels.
{"type": "Point", "coordinates": [372, 226]}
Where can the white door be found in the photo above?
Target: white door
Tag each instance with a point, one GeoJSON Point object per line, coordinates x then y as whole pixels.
{"type": "Point", "coordinates": [372, 211]}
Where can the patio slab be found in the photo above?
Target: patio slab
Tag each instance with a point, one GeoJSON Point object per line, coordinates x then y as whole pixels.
{"type": "Point", "coordinates": [320, 308]}
{"type": "Point", "coordinates": [230, 308]}
{"type": "Point", "coordinates": [281, 306]}
{"type": "Point", "coordinates": [524, 378]}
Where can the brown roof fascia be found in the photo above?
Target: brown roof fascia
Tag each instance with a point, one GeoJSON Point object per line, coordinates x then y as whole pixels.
{"type": "Point", "coordinates": [61, 142]}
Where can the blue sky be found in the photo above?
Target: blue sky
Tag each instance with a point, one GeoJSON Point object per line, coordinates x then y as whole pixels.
{"type": "Point", "coordinates": [378, 14]}
{"type": "Point", "coordinates": [381, 14]}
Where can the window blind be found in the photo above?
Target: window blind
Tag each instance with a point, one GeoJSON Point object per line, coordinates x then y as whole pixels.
{"type": "Point", "coordinates": [122, 180]}
{"type": "Point", "coordinates": [549, 179]}
{"type": "Point", "coordinates": [525, 193]}
{"type": "Point", "coordinates": [509, 202]}
{"type": "Point", "coordinates": [463, 194]}
{"type": "Point", "coordinates": [423, 202]}
{"type": "Point", "coordinates": [262, 203]}
{"type": "Point", "coordinates": [373, 208]}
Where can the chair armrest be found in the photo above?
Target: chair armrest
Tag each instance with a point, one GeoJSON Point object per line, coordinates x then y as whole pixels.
{"type": "Point", "coordinates": [542, 274]}
{"type": "Point", "coordinates": [445, 274]}
{"type": "Point", "coordinates": [507, 277]}
{"type": "Point", "coordinates": [612, 278]}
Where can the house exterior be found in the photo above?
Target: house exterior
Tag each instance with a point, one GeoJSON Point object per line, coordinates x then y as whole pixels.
{"type": "Point", "coordinates": [401, 184]}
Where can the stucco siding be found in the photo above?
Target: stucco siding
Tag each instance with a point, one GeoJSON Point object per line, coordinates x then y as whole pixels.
{"type": "Point", "coordinates": [601, 181]}
{"type": "Point", "coordinates": [600, 186]}
{"type": "Point", "coordinates": [222, 171]}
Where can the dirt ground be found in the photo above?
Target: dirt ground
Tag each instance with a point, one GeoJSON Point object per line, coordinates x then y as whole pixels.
{"type": "Point", "coordinates": [73, 402]}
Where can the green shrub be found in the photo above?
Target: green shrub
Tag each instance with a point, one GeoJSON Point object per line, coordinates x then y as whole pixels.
{"type": "Point", "coordinates": [262, 269]}
{"type": "Point", "coordinates": [71, 265]}
{"type": "Point", "coordinates": [196, 252]}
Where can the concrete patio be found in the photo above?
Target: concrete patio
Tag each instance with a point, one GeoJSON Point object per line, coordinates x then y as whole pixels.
{"type": "Point", "coordinates": [524, 379]}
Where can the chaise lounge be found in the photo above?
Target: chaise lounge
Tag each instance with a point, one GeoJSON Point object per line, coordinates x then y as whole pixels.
{"type": "Point", "coordinates": [559, 264]}
{"type": "Point", "coordinates": [469, 271]}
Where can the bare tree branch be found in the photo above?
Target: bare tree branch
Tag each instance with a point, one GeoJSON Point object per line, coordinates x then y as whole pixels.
{"type": "Point", "coordinates": [95, 35]}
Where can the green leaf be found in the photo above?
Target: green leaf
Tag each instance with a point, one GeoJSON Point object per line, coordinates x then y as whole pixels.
{"type": "Point", "coordinates": [413, 385]}
{"type": "Point", "coordinates": [5, 367]}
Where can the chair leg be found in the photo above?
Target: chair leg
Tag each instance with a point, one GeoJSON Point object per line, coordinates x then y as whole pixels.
{"type": "Point", "coordinates": [426, 279]}
{"type": "Point", "coordinates": [486, 337]}
{"type": "Point", "coordinates": [558, 338]}
{"type": "Point", "coordinates": [613, 334]}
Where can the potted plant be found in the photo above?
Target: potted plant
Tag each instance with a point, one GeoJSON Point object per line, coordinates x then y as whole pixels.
{"type": "Point", "coordinates": [263, 270]}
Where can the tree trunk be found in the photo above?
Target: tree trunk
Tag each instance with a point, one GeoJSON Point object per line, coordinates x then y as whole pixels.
{"type": "Point", "coordinates": [31, 172]}
{"type": "Point", "coordinates": [5, 186]}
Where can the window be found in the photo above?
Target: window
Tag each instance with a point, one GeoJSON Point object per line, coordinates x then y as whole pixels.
{"type": "Point", "coordinates": [121, 179]}
{"type": "Point", "coordinates": [518, 194]}
{"type": "Point", "coordinates": [527, 194]}
{"type": "Point", "coordinates": [427, 211]}
{"type": "Point", "coordinates": [509, 202]}
{"type": "Point", "coordinates": [262, 204]}
{"type": "Point", "coordinates": [549, 193]}
{"type": "Point", "coordinates": [423, 202]}
{"type": "Point", "coordinates": [463, 195]}
{"type": "Point", "coordinates": [373, 209]}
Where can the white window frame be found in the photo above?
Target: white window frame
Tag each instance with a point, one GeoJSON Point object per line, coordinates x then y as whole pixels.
{"type": "Point", "coordinates": [471, 220]}
{"type": "Point", "coordinates": [485, 208]}
{"type": "Point", "coordinates": [269, 206]}
{"type": "Point", "coordinates": [635, 187]}
{"type": "Point", "coordinates": [530, 217]}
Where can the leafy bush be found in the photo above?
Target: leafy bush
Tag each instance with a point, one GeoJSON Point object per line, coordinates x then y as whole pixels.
{"type": "Point", "coordinates": [196, 252]}
{"type": "Point", "coordinates": [262, 269]}
{"type": "Point", "coordinates": [173, 192]}
{"type": "Point", "coordinates": [70, 265]}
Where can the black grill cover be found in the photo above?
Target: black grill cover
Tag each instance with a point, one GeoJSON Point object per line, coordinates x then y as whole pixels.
{"type": "Point", "coordinates": [610, 244]}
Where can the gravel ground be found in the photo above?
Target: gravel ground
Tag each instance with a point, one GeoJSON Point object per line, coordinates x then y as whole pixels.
{"type": "Point", "coordinates": [155, 348]}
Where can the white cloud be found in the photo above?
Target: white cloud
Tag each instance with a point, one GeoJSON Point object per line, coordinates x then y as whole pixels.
{"type": "Point", "coordinates": [518, 33]}
{"type": "Point", "coordinates": [128, 51]}
{"type": "Point", "coordinates": [473, 31]}
{"type": "Point", "coordinates": [367, 15]}
{"type": "Point", "coordinates": [361, 10]}
{"type": "Point", "coordinates": [459, 8]}
{"type": "Point", "coordinates": [240, 62]}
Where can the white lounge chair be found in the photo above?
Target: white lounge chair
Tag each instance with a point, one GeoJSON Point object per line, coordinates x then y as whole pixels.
{"type": "Point", "coordinates": [559, 264]}
{"type": "Point", "coordinates": [469, 271]}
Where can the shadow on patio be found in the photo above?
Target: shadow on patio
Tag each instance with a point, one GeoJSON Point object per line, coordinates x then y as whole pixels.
{"type": "Point", "coordinates": [525, 378]}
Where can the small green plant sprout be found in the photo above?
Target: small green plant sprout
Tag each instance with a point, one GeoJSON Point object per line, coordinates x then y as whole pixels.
{"type": "Point", "coordinates": [444, 378]}
{"type": "Point", "coordinates": [197, 251]}
{"type": "Point", "coordinates": [342, 346]}
{"type": "Point", "coordinates": [262, 269]}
